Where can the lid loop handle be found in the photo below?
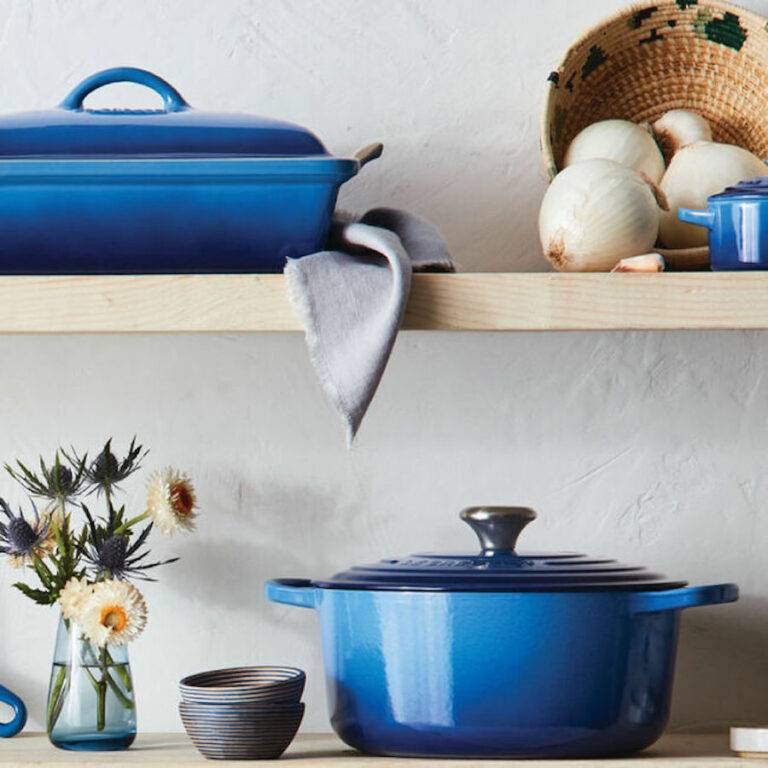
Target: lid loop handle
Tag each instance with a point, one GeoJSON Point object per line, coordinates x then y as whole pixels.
{"type": "Point", "coordinates": [497, 527]}
{"type": "Point", "coordinates": [173, 101]}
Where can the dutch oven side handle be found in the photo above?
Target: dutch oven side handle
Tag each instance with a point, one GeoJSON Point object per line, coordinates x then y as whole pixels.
{"type": "Point", "coordinates": [687, 597]}
{"type": "Point", "coordinates": [172, 99]}
{"type": "Point", "coordinates": [297, 592]}
{"type": "Point", "coordinates": [368, 153]}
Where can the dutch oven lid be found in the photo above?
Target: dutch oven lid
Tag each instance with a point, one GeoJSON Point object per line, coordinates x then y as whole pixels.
{"type": "Point", "coordinates": [498, 567]}
{"type": "Point", "coordinates": [754, 187]}
{"type": "Point", "coordinates": [177, 130]}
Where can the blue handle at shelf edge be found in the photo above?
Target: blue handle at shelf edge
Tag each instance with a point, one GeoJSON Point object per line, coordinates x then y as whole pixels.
{"type": "Point", "coordinates": [19, 713]}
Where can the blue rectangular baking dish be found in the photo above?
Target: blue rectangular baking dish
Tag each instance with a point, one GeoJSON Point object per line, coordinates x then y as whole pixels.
{"type": "Point", "coordinates": [161, 191]}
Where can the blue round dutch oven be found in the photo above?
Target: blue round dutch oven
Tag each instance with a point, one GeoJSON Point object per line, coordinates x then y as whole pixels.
{"type": "Point", "coordinates": [499, 653]}
{"type": "Point", "coordinates": [737, 220]}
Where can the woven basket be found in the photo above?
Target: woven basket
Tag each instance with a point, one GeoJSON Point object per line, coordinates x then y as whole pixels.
{"type": "Point", "coordinates": [711, 57]}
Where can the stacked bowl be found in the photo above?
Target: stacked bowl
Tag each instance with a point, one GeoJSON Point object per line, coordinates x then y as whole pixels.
{"type": "Point", "coordinates": [243, 713]}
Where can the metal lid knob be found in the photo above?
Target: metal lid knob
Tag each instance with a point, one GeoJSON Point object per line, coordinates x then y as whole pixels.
{"type": "Point", "coordinates": [497, 527]}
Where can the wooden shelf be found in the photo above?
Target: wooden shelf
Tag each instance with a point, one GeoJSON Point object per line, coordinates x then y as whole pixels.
{"type": "Point", "coordinates": [326, 751]}
{"type": "Point", "coordinates": [473, 302]}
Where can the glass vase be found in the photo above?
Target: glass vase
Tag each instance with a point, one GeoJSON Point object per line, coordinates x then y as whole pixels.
{"type": "Point", "coordinates": [91, 705]}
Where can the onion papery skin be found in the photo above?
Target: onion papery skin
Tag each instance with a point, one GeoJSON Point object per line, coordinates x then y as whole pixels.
{"type": "Point", "coordinates": [596, 213]}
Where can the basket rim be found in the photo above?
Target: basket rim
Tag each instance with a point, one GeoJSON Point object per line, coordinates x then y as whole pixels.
{"type": "Point", "coordinates": [547, 155]}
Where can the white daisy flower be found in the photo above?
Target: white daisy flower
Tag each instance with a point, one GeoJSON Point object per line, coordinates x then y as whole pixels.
{"type": "Point", "coordinates": [73, 598]}
{"type": "Point", "coordinates": [114, 614]}
{"type": "Point", "coordinates": [171, 501]}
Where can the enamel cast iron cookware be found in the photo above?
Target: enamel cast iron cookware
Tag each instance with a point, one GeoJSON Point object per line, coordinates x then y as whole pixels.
{"type": "Point", "coordinates": [737, 220]}
{"type": "Point", "coordinates": [167, 190]}
{"type": "Point", "coordinates": [498, 653]}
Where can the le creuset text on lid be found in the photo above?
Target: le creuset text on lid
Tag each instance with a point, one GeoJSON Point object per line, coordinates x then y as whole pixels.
{"type": "Point", "coordinates": [499, 567]}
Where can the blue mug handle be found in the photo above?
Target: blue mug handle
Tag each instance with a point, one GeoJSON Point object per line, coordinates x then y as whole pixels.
{"type": "Point", "coordinates": [19, 713]}
{"type": "Point", "coordinates": [172, 99]}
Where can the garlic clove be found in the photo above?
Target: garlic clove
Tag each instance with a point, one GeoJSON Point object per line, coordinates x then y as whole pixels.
{"type": "Point", "coordinates": [680, 128]}
{"type": "Point", "coordinates": [619, 140]}
{"type": "Point", "coordinates": [596, 213]}
{"type": "Point", "coordinates": [648, 262]}
{"type": "Point", "coordinates": [695, 173]}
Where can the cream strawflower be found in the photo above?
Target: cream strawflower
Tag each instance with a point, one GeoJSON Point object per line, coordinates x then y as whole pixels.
{"type": "Point", "coordinates": [171, 501]}
{"type": "Point", "coordinates": [73, 598]}
{"type": "Point", "coordinates": [115, 613]}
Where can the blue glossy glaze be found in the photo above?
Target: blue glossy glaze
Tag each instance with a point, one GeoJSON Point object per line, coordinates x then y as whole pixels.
{"type": "Point", "coordinates": [737, 220]}
{"type": "Point", "coordinates": [172, 99]}
{"type": "Point", "coordinates": [509, 674]}
{"type": "Point", "coordinates": [176, 130]}
{"type": "Point", "coordinates": [171, 190]}
{"type": "Point", "coordinates": [130, 216]}
{"type": "Point", "coordinates": [19, 720]}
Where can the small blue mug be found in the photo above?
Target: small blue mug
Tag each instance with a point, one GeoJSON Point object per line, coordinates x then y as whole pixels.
{"type": "Point", "coordinates": [19, 713]}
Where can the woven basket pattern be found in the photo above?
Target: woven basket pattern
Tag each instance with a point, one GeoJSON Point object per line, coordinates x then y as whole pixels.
{"type": "Point", "coordinates": [711, 57]}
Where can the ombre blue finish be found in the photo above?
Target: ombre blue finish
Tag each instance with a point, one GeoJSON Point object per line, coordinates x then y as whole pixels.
{"type": "Point", "coordinates": [737, 220]}
{"type": "Point", "coordinates": [160, 191]}
{"type": "Point", "coordinates": [176, 130]}
{"type": "Point", "coordinates": [508, 674]}
{"type": "Point", "coordinates": [19, 720]}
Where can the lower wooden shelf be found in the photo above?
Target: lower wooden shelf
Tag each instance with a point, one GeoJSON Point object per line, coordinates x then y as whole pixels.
{"type": "Point", "coordinates": [442, 302]}
{"type": "Point", "coordinates": [326, 751]}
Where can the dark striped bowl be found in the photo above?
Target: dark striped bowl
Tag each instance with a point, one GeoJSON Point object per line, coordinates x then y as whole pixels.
{"type": "Point", "coordinates": [241, 732]}
{"type": "Point", "coordinates": [244, 685]}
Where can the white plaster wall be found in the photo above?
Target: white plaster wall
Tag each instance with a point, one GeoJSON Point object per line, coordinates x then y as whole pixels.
{"type": "Point", "coordinates": [648, 447]}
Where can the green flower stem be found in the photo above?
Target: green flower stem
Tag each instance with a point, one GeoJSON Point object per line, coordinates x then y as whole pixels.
{"type": "Point", "coordinates": [94, 681]}
{"type": "Point", "coordinates": [122, 673]}
{"type": "Point", "coordinates": [101, 705]}
{"type": "Point", "coordinates": [53, 704]}
{"type": "Point", "coordinates": [107, 681]}
{"type": "Point", "coordinates": [121, 697]}
{"type": "Point", "coordinates": [130, 523]}
{"type": "Point", "coordinates": [101, 692]}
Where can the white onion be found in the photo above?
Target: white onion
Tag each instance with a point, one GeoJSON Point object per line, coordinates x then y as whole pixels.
{"type": "Point", "coordinates": [596, 213]}
{"type": "Point", "coordinates": [620, 140]}
{"type": "Point", "coordinates": [680, 128]}
{"type": "Point", "coordinates": [695, 173]}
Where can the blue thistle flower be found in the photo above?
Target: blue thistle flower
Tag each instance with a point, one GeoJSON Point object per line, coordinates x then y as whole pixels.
{"type": "Point", "coordinates": [22, 539]}
{"type": "Point", "coordinates": [57, 482]}
{"type": "Point", "coordinates": [110, 552]}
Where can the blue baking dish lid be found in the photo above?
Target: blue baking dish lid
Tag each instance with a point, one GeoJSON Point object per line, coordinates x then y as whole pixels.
{"type": "Point", "coordinates": [176, 130]}
{"type": "Point", "coordinates": [499, 567]}
{"type": "Point", "coordinates": [752, 188]}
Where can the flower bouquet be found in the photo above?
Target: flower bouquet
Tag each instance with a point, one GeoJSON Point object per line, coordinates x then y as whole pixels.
{"type": "Point", "coordinates": [85, 563]}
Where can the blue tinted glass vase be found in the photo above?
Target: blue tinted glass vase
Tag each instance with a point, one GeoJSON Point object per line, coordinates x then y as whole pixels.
{"type": "Point", "coordinates": [91, 704]}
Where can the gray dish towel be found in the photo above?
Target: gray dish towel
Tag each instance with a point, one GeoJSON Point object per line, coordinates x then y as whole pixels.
{"type": "Point", "coordinates": [352, 297]}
